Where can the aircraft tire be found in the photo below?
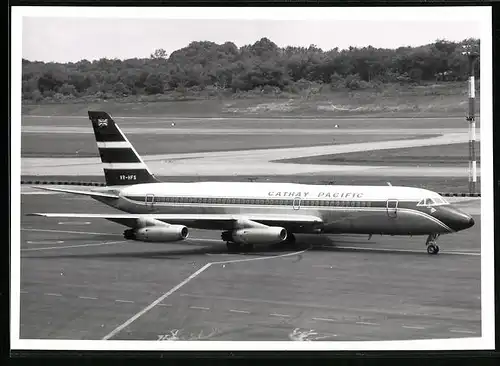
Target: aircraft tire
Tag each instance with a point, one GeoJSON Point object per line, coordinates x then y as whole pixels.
{"type": "Point", "coordinates": [432, 249]}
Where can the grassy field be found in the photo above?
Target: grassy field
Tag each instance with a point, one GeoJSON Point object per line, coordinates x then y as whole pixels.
{"type": "Point", "coordinates": [440, 155]}
{"type": "Point", "coordinates": [443, 99]}
{"type": "Point", "coordinates": [84, 145]}
{"type": "Point", "coordinates": [433, 124]}
{"type": "Point", "coordinates": [443, 185]}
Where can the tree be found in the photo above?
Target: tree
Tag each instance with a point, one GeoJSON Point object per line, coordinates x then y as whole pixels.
{"type": "Point", "coordinates": [259, 65]}
{"type": "Point", "coordinates": [159, 53]}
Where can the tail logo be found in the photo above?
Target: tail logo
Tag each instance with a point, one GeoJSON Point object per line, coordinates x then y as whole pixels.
{"type": "Point", "coordinates": [102, 122]}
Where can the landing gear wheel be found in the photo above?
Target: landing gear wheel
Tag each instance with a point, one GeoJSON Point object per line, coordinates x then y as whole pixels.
{"type": "Point", "coordinates": [433, 249]}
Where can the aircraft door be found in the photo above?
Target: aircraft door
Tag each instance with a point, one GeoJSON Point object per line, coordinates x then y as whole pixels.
{"type": "Point", "coordinates": [392, 208]}
{"type": "Point", "coordinates": [296, 203]}
{"type": "Point", "coordinates": [150, 200]}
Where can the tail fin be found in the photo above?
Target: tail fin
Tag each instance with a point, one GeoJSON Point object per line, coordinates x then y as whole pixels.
{"type": "Point", "coordinates": [122, 164]}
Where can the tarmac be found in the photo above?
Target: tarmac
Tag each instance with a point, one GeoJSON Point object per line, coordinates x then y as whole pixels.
{"type": "Point", "coordinates": [81, 280]}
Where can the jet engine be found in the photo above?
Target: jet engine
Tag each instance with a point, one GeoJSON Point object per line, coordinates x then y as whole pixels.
{"type": "Point", "coordinates": [267, 235]}
{"type": "Point", "coordinates": [163, 233]}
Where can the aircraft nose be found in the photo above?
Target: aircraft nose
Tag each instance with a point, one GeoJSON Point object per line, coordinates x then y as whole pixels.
{"type": "Point", "coordinates": [462, 221]}
{"type": "Point", "coordinates": [454, 218]}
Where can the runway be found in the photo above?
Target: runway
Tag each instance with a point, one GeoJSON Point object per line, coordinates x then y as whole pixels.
{"type": "Point", "coordinates": [80, 280]}
{"type": "Point", "coordinates": [251, 159]}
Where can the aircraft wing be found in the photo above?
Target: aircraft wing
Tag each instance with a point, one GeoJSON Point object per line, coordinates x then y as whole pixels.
{"type": "Point", "coordinates": [202, 221]}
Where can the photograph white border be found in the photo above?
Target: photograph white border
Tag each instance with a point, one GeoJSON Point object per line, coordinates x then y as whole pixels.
{"type": "Point", "coordinates": [480, 14]}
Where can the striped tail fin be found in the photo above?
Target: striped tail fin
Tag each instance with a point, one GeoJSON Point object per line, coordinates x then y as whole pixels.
{"type": "Point", "coordinates": [122, 164]}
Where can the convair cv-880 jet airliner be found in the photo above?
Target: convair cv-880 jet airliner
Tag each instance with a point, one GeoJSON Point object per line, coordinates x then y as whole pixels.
{"type": "Point", "coordinates": [254, 213]}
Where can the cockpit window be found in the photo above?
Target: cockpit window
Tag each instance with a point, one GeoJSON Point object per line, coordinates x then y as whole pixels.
{"type": "Point", "coordinates": [435, 201]}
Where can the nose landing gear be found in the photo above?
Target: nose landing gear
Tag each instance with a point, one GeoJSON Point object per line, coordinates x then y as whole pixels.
{"type": "Point", "coordinates": [432, 247]}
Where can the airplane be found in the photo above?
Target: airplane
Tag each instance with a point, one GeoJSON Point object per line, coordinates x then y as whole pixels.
{"type": "Point", "coordinates": [249, 214]}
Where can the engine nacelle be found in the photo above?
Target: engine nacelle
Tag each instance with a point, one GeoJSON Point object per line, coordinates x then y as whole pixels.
{"type": "Point", "coordinates": [163, 233]}
{"type": "Point", "coordinates": [146, 221]}
{"type": "Point", "coordinates": [267, 235]}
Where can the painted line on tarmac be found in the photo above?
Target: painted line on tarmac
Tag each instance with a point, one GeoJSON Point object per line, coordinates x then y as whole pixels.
{"type": "Point", "coordinates": [462, 331]}
{"type": "Point", "coordinates": [239, 311]}
{"type": "Point", "coordinates": [87, 297]}
{"type": "Point", "coordinates": [68, 232]}
{"type": "Point", "coordinates": [175, 288]}
{"type": "Point", "coordinates": [126, 301]}
{"type": "Point", "coordinates": [412, 327]}
{"type": "Point", "coordinates": [199, 308]}
{"type": "Point", "coordinates": [280, 315]}
{"type": "Point", "coordinates": [374, 249]}
{"type": "Point", "coordinates": [466, 252]}
{"type": "Point", "coordinates": [74, 246]}
{"type": "Point", "coordinates": [74, 223]}
{"type": "Point", "coordinates": [45, 242]}
{"type": "Point", "coordinates": [367, 323]}
{"type": "Point", "coordinates": [52, 294]}
{"type": "Point", "coordinates": [261, 258]}
{"type": "Point", "coordinates": [154, 303]}
{"type": "Point", "coordinates": [325, 320]}
{"type": "Point", "coordinates": [207, 240]}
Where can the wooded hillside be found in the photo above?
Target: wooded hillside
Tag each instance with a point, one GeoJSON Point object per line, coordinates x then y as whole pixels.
{"type": "Point", "coordinates": [263, 66]}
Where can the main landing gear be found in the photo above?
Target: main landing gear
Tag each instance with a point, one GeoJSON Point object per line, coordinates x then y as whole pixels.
{"type": "Point", "coordinates": [432, 247]}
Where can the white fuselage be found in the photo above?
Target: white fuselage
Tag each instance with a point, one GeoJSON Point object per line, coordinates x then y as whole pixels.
{"type": "Point", "coordinates": [343, 209]}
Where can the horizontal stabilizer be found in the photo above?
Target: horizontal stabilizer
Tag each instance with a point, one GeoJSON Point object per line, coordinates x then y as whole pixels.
{"type": "Point", "coordinates": [75, 191]}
